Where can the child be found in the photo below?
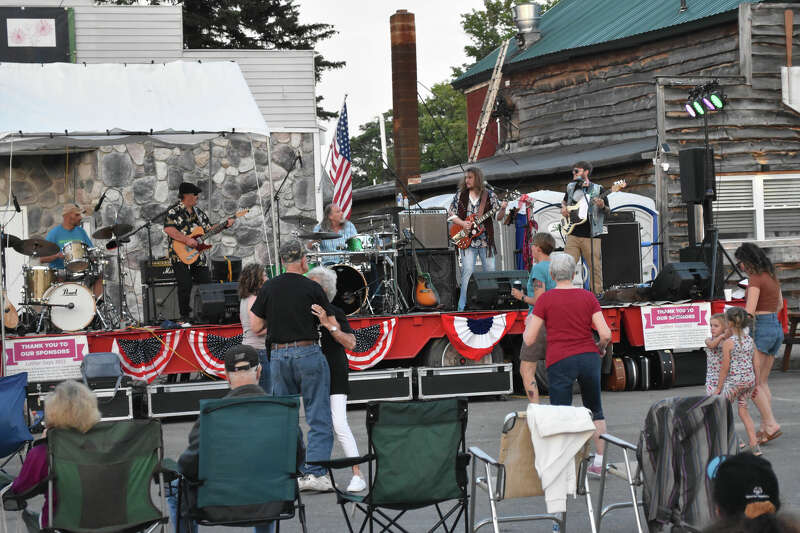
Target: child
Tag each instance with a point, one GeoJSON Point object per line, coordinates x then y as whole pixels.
{"type": "Point", "coordinates": [719, 332]}
{"type": "Point", "coordinates": [737, 379]}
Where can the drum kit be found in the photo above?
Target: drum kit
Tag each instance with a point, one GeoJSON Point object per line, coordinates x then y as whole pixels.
{"type": "Point", "coordinates": [365, 264]}
{"type": "Point", "coordinates": [65, 299]}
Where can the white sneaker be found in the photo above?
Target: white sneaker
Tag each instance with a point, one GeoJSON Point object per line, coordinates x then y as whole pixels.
{"type": "Point", "coordinates": [319, 484]}
{"type": "Point", "coordinates": [357, 484]}
{"type": "Point", "coordinates": [302, 483]}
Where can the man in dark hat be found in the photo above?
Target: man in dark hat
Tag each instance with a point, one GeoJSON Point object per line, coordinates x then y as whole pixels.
{"type": "Point", "coordinates": [297, 365]}
{"type": "Point", "coordinates": [188, 263]}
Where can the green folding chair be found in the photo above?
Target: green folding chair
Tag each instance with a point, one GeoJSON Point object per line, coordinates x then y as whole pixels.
{"type": "Point", "coordinates": [416, 458]}
{"type": "Point", "coordinates": [248, 463]}
{"type": "Point", "coordinates": [102, 478]}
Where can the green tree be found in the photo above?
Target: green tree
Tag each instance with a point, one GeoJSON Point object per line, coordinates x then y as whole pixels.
{"type": "Point", "coordinates": [365, 149]}
{"type": "Point", "coordinates": [268, 24]}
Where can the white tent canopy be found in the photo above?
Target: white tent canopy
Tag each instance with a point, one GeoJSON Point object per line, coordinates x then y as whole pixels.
{"type": "Point", "coordinates": [104, 103]}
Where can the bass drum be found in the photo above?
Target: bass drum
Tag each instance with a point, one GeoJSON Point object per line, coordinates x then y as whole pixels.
{"type": "Point", "coordinates": [351, 289]}
{"type": "Point", "coordinates": [74, 306]}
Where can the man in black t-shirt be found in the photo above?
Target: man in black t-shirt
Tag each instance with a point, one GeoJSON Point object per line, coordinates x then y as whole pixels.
{"type": "Point", "coordinates": [297, 365]}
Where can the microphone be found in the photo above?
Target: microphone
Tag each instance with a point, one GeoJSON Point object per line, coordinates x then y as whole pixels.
{"type": "Point", "coordinates": [299, 155]}
{"type": "Point", "coordinates": [71, 305]}
{"type": "Point", "coordinates": [16, 203]}
{"type": "Point", "coordinates": [100, 201]}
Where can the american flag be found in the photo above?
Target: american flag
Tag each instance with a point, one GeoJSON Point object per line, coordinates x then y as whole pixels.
{"type": "Point", "coordinates": [341, 159]}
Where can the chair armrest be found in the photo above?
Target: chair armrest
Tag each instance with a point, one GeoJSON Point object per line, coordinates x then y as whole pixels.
{"type": "Point", "coordinates": [483, 456]}
{"type": "Point", "coordinates": [345, 462]}
{"type": "Point", "coordinates": [168, 467]}
{"type": "Point", "coordinates": [618, 442]}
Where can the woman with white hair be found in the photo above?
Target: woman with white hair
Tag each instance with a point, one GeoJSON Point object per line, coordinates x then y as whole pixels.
{"type": "Point", "coordinates": [569, 315]}
{"type": "Point", "coordinates": [337, 335]}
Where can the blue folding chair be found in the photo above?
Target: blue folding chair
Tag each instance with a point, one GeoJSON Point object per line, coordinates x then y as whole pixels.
{"type": "Point", "coordinates": [14, 432]}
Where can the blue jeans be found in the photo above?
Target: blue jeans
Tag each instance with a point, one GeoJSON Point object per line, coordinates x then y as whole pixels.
{"type": "Point", "coordinates": [190, 526]}
{"type": "Point", "coordinates": [468, 258]}
{"type": "Point", "coordinates": [304, 370]}
{"type": "Point", "coordinates": [265, 382]}
{"type": "Point", "coordinates": [585, 367]}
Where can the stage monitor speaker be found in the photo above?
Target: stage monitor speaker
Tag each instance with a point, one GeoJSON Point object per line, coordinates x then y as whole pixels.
{"type": "Point", "coordinates": [165, 298]}
{"type": "Point", "coordinates": [701, 253]}
{"type": "Point", "coordinates": [430, 228]}
{"type": "Point", "coordinates": [440, 264]}
{"type": "Point", "coordinates": [492, 290]}
{"type": "Point", "coordinates": [622, 255]}
{"type": "Point", "coordinates": [696, 183]}
{"type": "Point", "coordinates": [215, 303]}
{"type": "Point", "coordinates": [681, 281]}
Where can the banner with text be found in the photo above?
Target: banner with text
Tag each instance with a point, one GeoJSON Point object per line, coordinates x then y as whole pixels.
{"type": "Point", "coordinates": [676, 326]}
{"type": "Point", "coordinates": [46, 358]}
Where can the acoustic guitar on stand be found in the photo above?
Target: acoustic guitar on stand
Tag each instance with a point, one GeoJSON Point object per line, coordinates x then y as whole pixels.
{"type": "Point", "coordinates": [189, 255]}
{"type": "Point", "coordinates": [462, 238]}
{"type": "Point", "coordinates": [579, 213]}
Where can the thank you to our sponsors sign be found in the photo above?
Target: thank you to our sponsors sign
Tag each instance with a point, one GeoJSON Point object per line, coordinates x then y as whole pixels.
{"type": "Point", "coordinates": [46, 358]}
{"type": "Point", "coordinates": [676, 326]}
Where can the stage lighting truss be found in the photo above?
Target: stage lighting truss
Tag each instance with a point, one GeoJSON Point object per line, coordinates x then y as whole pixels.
{"type": "Point", "coordinates": [705, 99]}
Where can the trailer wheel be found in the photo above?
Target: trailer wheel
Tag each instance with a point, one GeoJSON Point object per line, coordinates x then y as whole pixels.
{"type": "Point", "coordinates": [441, 353]}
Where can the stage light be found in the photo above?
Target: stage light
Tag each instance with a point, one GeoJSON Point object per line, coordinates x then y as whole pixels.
{"type": "Point", "coordinates": [718, 99]}
{"type": "Point", "coordinates": [690, 110]}
{"type": "Point", "coordinates": [708, 103]}
{"type": "Point", "coordinates": [698, 107]}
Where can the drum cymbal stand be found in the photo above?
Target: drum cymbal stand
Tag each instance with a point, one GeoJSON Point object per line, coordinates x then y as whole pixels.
{"type": "Point", "coordinates": [124, 315]}
{"type": "Point", "coordinates": [388, 290]}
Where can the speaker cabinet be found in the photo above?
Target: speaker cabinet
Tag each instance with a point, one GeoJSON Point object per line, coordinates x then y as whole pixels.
{"type": "Point", "coordinates": [440, 264]}
{"type": "Point", "coordinates": [492, 290]}
{"type": "Point", "coordinates": [160, 303]}
{"type": "Point", "coordinates": [697, 184]}
{"type": "Point", "coordinates": [430, 228]}
{"type": "Point", "coordinates": [215, 303]}
{"type": "Point", "coordinates": [622, 255]}
{"type": "Point", "coordinates": [702, 253]}
{"type": "Point", "coordinates": [681, 281]}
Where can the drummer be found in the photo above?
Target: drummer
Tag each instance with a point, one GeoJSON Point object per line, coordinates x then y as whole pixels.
{"type": "Point", "coordinates": [70, 230]}
{"type": "Point", "coordinates": [334, 221]}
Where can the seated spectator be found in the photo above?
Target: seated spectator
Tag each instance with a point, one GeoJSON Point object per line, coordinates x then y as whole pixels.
{"type": "Point", "coordinates": [746, 495]}
{"type": "Point", "coordinates": [71, 405]}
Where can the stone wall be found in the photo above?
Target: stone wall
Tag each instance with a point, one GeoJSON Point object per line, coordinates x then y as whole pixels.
{"type": "Point", "coordinates": [148, 176]}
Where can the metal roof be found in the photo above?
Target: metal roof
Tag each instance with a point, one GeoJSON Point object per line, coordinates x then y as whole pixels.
{"type": "Point", "coordinates": [577, 26]}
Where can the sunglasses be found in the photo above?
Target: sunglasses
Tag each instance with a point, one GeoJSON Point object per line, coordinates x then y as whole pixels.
{"type": "Point", "coordinates": [577, 170]}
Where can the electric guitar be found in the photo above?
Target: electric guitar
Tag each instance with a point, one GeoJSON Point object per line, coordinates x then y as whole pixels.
{"type": "Point", "coordinates": [579, 213]}
{"type": "Point", "coordinates": [425, 294]}
{"type": "Point", "coordinates": [462, 238]}
{"type": "Point", "coordinates": [10, 316]}
{"type": "Point", "coordinates": [189, 255]}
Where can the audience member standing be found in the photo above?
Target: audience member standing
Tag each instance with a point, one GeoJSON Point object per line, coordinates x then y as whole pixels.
{"type": "Point", "coordinates": [297, 365]}
{"type": "Point", "coordinates": [251, 279]}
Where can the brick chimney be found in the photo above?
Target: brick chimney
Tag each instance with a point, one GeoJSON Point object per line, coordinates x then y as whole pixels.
{"type": "Point", "coordinates": [405, 121]}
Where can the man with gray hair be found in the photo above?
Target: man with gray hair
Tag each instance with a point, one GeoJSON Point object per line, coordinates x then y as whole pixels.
{"type": "Point", "coordinates": [284, 305]}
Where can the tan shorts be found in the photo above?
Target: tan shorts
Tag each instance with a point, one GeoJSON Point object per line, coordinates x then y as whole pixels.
{"type": "Point", "coordinates": [536, 351]}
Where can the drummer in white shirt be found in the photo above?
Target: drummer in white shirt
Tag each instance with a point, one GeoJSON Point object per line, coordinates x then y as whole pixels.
{"type": "Point", "coordinates": [334, 221]}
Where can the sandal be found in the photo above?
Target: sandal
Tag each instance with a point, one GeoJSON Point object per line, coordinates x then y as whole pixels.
{"type": "Point", "coordinates": [766, 437]}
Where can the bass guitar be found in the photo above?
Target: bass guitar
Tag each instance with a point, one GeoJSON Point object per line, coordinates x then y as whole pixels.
{"type": "Point", "coordinates": [579, 213]}
{"type": "Point", "coordinates": [189, 255]}
{"type": "Point", "coordinates": [462, 238]}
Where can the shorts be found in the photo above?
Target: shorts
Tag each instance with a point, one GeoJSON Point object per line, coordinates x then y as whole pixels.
{"type": "Point", "coordinates": [768, 335]}
{"type": "Point", "coordinates": [740, 392]}
{"type": "Point", "coordinates": [585, 367]}
{"type": "Point", "coordinates": [537, 350]}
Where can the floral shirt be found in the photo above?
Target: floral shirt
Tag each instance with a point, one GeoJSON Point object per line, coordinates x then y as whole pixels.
{"type": "Point", "coordinates": [180, 218]}
{"type": "Point", "coordinates": [492, 202]}
{"type": "Point", "coordinates": [713, 365]}
{"type": "Point", "coordinates": [741, 370]}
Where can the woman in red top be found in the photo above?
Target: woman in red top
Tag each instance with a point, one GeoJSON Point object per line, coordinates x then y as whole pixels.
{"type": "Point", "coordinates": [764, 300]}
{"type": "Point", "coordinates": [569, 315]}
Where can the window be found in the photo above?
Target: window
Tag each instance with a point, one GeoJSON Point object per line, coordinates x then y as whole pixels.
{"type": "Point", "coordinates": [758, 207]}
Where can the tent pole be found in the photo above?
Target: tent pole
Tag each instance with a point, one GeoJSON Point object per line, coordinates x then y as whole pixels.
{"type": "Point", "coordinates": [275, 236]}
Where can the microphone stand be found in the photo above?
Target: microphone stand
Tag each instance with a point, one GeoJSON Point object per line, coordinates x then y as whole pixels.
{"type": "Point", "coordinates": [277, 203]}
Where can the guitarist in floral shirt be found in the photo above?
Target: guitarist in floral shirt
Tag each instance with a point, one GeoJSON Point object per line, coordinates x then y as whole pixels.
{"type": "Point", "coordinates": [179, 222]}
{"type": "Point", "coordinates": [473, 198]}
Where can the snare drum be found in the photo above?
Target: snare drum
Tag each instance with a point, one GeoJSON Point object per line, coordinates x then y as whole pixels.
{"type": "Point", "coordinates": [76, 256]}
{"type": "Point", "coordinates": [37, 280]}
{"type": "Point", "coordinates": [73, 306]}
{"type": "Point", "coordinates": [351, 289]}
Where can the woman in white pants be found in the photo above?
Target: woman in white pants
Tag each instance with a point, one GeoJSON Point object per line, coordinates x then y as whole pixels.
{"type": "Point", "coordinates": [337, 361]}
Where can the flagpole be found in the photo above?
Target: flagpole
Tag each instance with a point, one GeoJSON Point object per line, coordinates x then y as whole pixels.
{"type": "Point", "coordinates": [330, 145]}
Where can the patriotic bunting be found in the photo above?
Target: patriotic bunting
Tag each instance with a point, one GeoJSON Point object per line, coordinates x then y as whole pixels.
{"type": "Point", "coordinates": [475, 337]}
{"type": "Point", "coordinates": [145, 358]}
{"type": "Point", "coordinates": [209, 350]}
{"type": "Point", "coordinates": [372, 344]}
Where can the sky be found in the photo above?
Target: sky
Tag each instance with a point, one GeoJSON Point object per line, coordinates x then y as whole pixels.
{"type": "Point", "coordinates": [363, 42]}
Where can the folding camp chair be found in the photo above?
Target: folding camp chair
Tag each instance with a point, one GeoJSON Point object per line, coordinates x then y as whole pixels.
{"type": "Point", "coordinates": [102, 478]}
{"type": "Point", "coordinates": [14, 432]}
{"type": "Point", "coordinates": [248, 461]}
{"type": "Point", "coordinates": [679, 437]}
{"type": "Point", "coordinates": [513, 475]}
{"type": "Point", "coordinates": [416, 458]}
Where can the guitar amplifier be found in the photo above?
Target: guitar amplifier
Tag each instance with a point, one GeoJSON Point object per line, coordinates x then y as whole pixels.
{"type": "Point", "coordinates": [157, 272]}
{"type": "Point", "coordinates": [215, 303]}
{"type": "Point", "coordinates": [430, 228]}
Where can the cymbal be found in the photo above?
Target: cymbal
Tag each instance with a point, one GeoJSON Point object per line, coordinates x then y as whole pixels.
{"type": "Point", "coordinates": [318, 235]}
{"type": "Point", "coordinates": [371, 218]}
{"type": "Point", "coordinates": [301, 220]}
{"type": "Point", "coordinates": [9, 240]}
{"type": "Point", "coordinates": [111, 231]}
{"type": "Point", "coordinates": [388, 210]}
{"type": "Point", "coordinates": [36, 247]}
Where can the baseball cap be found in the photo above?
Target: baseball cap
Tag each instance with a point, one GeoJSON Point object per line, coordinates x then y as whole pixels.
{"type": "Point", "coordinates": [745, 483]}
{"type": "Point", "coordinates": [74, 208]}
{"type": "Point", "coordinates": [292, 251]}
{"type": "Point", "coordinates": [241, 357]}
{"type": "Point", "coordinates": [189, 188]}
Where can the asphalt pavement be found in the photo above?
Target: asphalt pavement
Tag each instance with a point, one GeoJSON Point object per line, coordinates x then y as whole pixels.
{"type": "Point", "coordinates": [625, 412]}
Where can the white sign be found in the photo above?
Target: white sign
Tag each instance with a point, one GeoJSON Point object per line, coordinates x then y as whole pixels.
{"type": "Point", "coordinates": [46, 358]}
{"type": "Point", "coordinates": [670, 327]}
{"type": "Point", "coordinates": [39, 33]}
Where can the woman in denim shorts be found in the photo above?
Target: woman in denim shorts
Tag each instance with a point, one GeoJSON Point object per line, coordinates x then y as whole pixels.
{"type": "Point", "coordinates": [764, 300]}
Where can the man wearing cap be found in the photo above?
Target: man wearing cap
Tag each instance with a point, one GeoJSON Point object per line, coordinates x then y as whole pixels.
{"type": "Point", "coordinates": [297, 364]}
{"type": "Point", "coordinates": [179, 222]}
{"type": "Point", "coordinates": [68, 231]}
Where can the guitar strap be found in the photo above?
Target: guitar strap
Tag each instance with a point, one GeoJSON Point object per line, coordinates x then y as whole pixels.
{"type": "Point", "coordinates": [484, 196]}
